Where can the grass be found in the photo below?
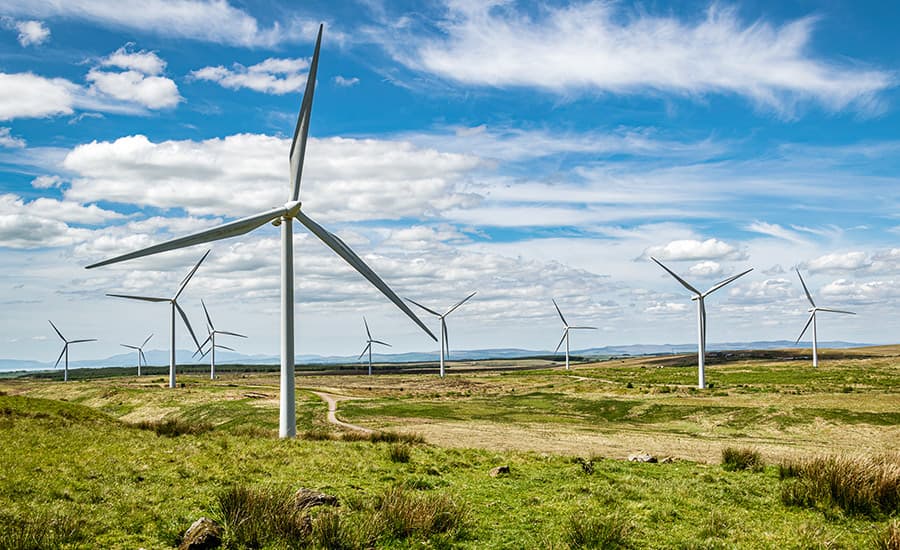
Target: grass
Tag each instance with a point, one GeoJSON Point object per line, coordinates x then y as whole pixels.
{"type": "Point", "coordinates": [734, 459]}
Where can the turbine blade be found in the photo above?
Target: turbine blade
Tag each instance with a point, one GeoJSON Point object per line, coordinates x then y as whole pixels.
{"type": "Point", "coordinates": [431, 311]}
{"type": "Point", "coordinates": [369, 334]}
{"type": "Point", "coordinates": [806, 290]}
{"type": "Point", "coordinates": [298, 146]}
{"type": "Point", "coordinates": [806, 326]}
{"type": "Point", "coordinates": [144, 298]}
{"type": "Point", "coordinates": [365, 349]}
{"type": "Point", "coordinates": [382, 343]}
{"type": "Point", "coordinates": [189, 275]}
{"type": "Point", "coordinates": [131, 347]}
{"type": "Point", "coordinates": [220, 346]}
{"type": "Point", "coordinates": [566, 323]}
{"type": "Point", "coordinates": [231, 229]}
{"type": "Point", "coordinates": [80, 341]}
{"type": "Point", "coordinates": [147, 340]}
{"type": "Point", "coordinates": [230, 333]}
{"type": "Point", "coordinates": [725, 282]}
{"type": "Point", "coordinates": [835, 310]}
{"type": "Point", "coordinates": [561, 340]}
{"type": "Point", "coordinates": [58, 359]}
{"type": "Point", "coordinates": [461, 302]}
{"type": "Point", "coordinates": [186, 323]}
{"type": "Point", "coordinates": [342, 250]}
{"type": "Point", "coordinates": [684, 283]}
{"type": "Point", "coordinates": [63, 338]}
{"type": "Point", "coordinates": [206, 311]}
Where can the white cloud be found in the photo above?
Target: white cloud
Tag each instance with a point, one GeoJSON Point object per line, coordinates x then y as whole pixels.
{"type": "Point", "coordinates": [32, 33]}
{"type": "Point", "coordinates": [692, 250]}
{"type": "Point", "coordinates": [345, 82]}
{"type": "Point", "coordinates": [9, 140]}
{"type": "Point", "coordinates": [272, 76]}
{"type": "Point", "coordinates": [595, 47]}
{"type": "Point", "coordinates": [840, 261]}
{"type": "Point", "coordinates": [26, 95]}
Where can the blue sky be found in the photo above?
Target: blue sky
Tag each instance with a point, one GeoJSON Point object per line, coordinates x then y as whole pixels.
{"type": "Point", "coordinates": [526, 150]}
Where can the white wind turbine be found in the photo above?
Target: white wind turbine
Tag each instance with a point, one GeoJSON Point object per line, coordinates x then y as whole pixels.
{"type": "Point", "coordinates": [445, 341]}
{"type": "Point", "coordinates": [812, 319]}
{"type": "Point", "coordinates": [212, 342]}
{"type": "Point", "coordinates": [369, 343]}
{"type": "Point", "coordinates": [175, 307]}
{"type": "Point", "coordinates": [284, 216]}
{"type": "Point", "coordinates": [65, 350]}
{"type": "Point", "coordinates": [140, 350]}
{"type": "Point", "coordinates": [701, 315]}
{"type": "Point", "coordinates": [565, 336]}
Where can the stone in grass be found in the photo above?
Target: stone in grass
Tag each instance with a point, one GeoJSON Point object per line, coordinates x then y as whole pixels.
{"type": "Point", "coordinates": [308, 498]}
{"type": "Point", "coordinates": [500, 471]}
{"type": "Point", "coordinates": [642, 457]}
{"type": "Point", "coordinates": [203, 534]}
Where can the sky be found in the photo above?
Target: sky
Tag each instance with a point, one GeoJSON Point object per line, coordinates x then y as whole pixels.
{"type": "Point", "coordinates": [526, 150]}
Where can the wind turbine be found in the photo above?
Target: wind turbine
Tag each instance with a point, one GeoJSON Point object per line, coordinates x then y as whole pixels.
{"type": "Point", "coordinates": [140, 350]}
{"type": "Point", "coordinates": [284, 216]}
{"type": "Point", "coordinates": [65, 350]}
{"type": "Point", "coordinates": [175, 307]}
{"type": "Point", "coordinates": [445, 341]}
{"type": "Point", "coordinates": [701, 314]}
{"type": "Point", "coordinates": [565, 336]}
{"type": "Point", "coordinates": [369, 343]}
{"type": "Point", "coordinates": [212, 341]}
{"type": "Point", "coordinates": [812, 319]}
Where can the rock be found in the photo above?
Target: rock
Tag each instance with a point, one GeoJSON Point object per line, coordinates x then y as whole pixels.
{"type": "Point", "coordinates": [642, 457]}
{"type": "Point", "coordinates": [203, 534]}
{"type": "Point", "coordinates": [500, 471]}
{"type": "Point", "coordinates": [308, 498]}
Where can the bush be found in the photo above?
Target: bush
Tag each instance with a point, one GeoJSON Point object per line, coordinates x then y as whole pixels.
{"type": "Point", "coordinates": [734, 459]}
{"type": "Point", "coordinates": [399, 452]}
{"type": "Point", "coordinates": [590, 530]}
{"type": "Point", "coordinates": [256, 517]}
{"type": "Point", "coordinates": [858, 486]}
{"type": "Point", "coordinates": [889, 539]}
{"type": "Point", "coordinates": [173, 427]}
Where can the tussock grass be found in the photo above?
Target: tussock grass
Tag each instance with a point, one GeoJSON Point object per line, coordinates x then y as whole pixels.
{"type": "Point", "coordinates": [173, 427]}
{"type": "Point", "coordinates": [734, 459]}
{"type": "Point", "coordinates": [889, 539]}
{"type": "Point", "coordinates": [590, 529]}
{"type": "Point", "coordinates": [857, 486]}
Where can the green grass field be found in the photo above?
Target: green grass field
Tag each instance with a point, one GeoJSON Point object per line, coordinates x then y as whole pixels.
{"type": "Point", "coordinates": [79, 472]}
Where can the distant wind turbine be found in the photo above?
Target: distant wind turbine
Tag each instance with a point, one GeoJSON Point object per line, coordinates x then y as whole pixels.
{"type": "Point", "coordinates": [65, 350]}
{"type": "Point", "coordinates": [211, 329]}
{"type": "Point", "coordinates": [565, 336]}
{"type": "Point", "coordinates": [445, 341]}
{"type": "Point", "coordinates": [701, 314]}
{"type": "Point", "coordinates": [369, 343]}
{"type": "Point", "coordinates": [175, 307]}
{"type": "Point", "coordinates": [812, 320]}
{"type": "Point", "coordinates": [284, 216]}
{"type": "Point", "coordinates": [140, 350]}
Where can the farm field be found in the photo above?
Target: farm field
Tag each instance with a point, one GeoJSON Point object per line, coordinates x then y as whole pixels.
{"type": "Point", "coordinates": [123, 462]}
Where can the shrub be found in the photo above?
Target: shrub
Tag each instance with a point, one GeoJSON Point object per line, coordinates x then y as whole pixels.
{"type": "Point", "coordinates": [734, 459]}
{"type": "Point", "coordinates": [858, 486]}
{"type": "Point", "coordinates": [174, 427]}
{"type": "Point", "coordinates": [256, 517]}
{"type": "Point", "coordinates": [399, 452]}
{"type": "Point", "coordinates": [889, 539]}
{"type": "Point", "coordinates": [591, 530]}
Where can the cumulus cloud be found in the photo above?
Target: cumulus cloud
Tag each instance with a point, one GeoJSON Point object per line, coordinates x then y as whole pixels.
{"type": "Point", "coordinates": [9, 140]}
{"type": "Point", "coordinates": [692, 250]}
{"type": "Point", "coordinates": [594, 47]}
{"type": "Point", "coordinates": [272, 76]}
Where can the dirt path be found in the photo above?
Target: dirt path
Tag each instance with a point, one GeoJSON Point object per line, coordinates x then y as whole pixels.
{"type": "Point", "coordinates": [332, 401]}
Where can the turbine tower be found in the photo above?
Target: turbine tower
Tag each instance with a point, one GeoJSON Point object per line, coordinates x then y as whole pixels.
{"type": "Point", "coordinates": [284, 216]}
{"type": "Point", "coordinates": [140, 350]}
{"type": "Point", "coordinates": [445, 341]}
{"type": "Point", "coordinates": [212, 341]}
{"type": "Point", "coordinates": [175, 307]}
{"type": "Point", "coordinates": [65, 350]}
{"type": "Point", "coordinates": [565, 336]}
{"type": "Point", "coordinates": [699, 297]}
{"type": "Point", "coordinates": [812, 319]}
{"type": "Point", "coordinates": [369, 343]}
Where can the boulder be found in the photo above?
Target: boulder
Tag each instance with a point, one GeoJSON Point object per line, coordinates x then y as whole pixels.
{"type": "Point", "coordinates": [642, 457]}
{"type": "Point", "coordinates": [308, 498]}
{"type": "Point", "coordinates": [203, 534]}
{"type": "Point", "coordinates": [500, 471]}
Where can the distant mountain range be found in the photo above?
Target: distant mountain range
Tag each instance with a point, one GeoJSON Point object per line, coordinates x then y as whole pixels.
{"type": "Point", "coordinates": [184, 357]}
